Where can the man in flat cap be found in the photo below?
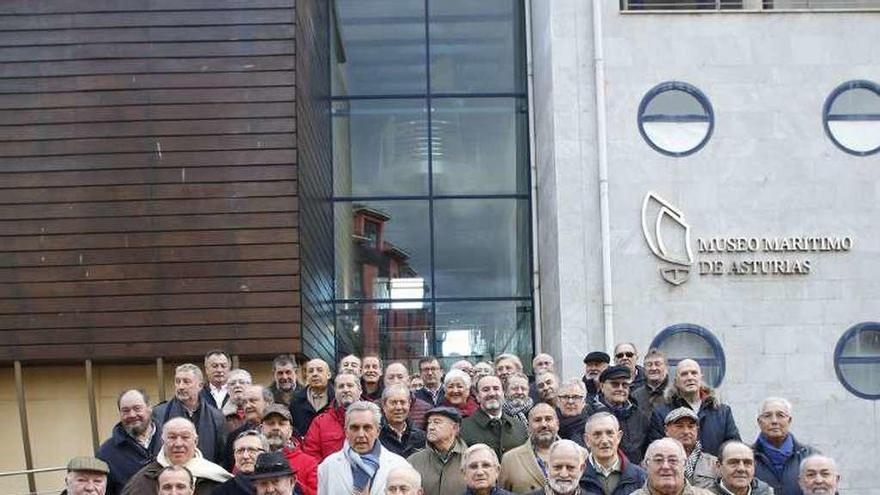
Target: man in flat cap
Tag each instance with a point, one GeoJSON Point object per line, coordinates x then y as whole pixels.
{"type": "Point", "coordinates": [440, 461]}
{"type": "Point", "coordinates": [701, 468]}
{"type": "Point", "coordinates": [635, 421]}
{"type": "Point", "coordinates": [594, 364]}
{"type": "Point", "coordinates": [86, 476]}
{"type": "Point", "coordinates": [272, 475]}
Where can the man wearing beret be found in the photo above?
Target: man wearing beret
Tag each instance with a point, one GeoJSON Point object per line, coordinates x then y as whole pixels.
{"type": "Point", "coordinates": [594, 364]}
{"type": "Point", "coordinates": [440, 461]}
{"type": "Point", "coordinates": [635, 421]}
{"type": "Point", "coordinates": [86, 476]}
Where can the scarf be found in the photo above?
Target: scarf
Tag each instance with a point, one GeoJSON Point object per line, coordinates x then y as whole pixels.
{"type": "Point", "coordinates": [202, 419]}
{"type": "Point", "coordinates": [519, 413]}
{"type": "Point", "coordinates": [363, 466]}
{"type": "Point", "coordinates": [777, 456]}
{"type": "Point", "coordinates": [572, 427]}
{"type": "Point", "coordinates": [692, 460]}
{"type": "Point", "coordinates": [200, 467]}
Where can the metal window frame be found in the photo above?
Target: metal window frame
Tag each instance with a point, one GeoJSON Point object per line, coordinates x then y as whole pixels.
{"type": "Point", "coordinates": [688, 88]}
{"type": "Point", "coordinates": [720, 360]}
{"type": "Point", "coordinates": [839, 358]}
{"type": "Point", "coordinates": [826, 109]}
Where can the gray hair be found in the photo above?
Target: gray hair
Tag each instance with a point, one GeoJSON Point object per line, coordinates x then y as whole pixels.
{"type": "Point", "coordinates": [398, 388]}
{"type": "Point", "coordinates": [264, 442]}
{"type": "Point", "coordinates": [268, 398]}
{"type": "Point", "coordinates": [361, 406]}
{"type": "Point", "coordinates": [181, 422]}
{"type": "Point", "coordinates": [540, 376]}
{"type": "Point", "coordinates": [243, 372]}
{"type": "Point", "coordinates": [816, 457]}
{"type": "Point", "coordinates": [724, 445]}
{"type": "Point", "coordinates": [656, 444]}
{"type": "Point", "coordinates": [191, 368]}
{"type": "Point", "coordinates": [414, 477]}
{"type": "Point", "coordinates": [476, 448]}
{"type": "Point", "coordinates": [512, 357]}
{"type": "Point", "coordinates": [347, 373]}
{"type": "Point", "coordinates": [769, 400]}
{"type": "Point", "coordinates": [457, 375]}
{"type": "Point", "coordinates": [600, 416]}
{"type": "Point", "coordinates": [568, 443]}
{"type": "Point", "coordinates": [574, 383]}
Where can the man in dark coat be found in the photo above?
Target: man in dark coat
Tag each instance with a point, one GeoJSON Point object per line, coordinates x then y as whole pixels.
{"type": "Point", "coordinates": [656, 380]}
{"type": "Point", "coordinates": [284, 385]}
{"type": "Point", "coordinates": [254, 402]}
{"type": "Point", "coordinates": [134, 442]}
{"type": "Point", "coordinates": [625, 354]}
{"type": "Point", "coordinates": [688, 390]}
{"type": "Point", "coordinates": [608, 471]}
{"type": "Point", "coordinates": [572, 411]}
{"type": "Point", "coordinates": [247, 446]}
{"type": "Point", "coordinates": [217, 365]}
{"type": "Point", "coordinates": [209, 421]}
{"type": "Point", "coordinates": [312, 400]}
{"type": "Point", "coordinates": [489, 424]}
{"type": "Point", "coordinates": [634, 420]}
{"type": "Point", "coordinates": [398, 433]}
{"type": "Point", "coordinates": [736, 468]}
{"type": "Point", "coordinates": [396, 373]}
{"type": "Point", "coordinates": [431, 374]}
{"type": "Point", "coordinates": [594, 364]}
{"type": "Point", "coordinates": [778, 454]}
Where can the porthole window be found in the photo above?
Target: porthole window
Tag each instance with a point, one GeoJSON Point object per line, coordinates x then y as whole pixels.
{"type": "Point", "coordinates": [857, 360]}
{"type": "Point", "coordinates": [688, 341]}
{"type": "Point", "coordinates": [676, 118]}
{"type": "Point", "coordinates": [852, 117]}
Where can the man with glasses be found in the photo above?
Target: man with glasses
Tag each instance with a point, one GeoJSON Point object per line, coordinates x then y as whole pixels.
{"type": "Point", "coordinates": [572, 410]}
{"type": "Point", "coordinates": [247, 446]}
{"type": "Point", "coordinates": [656, 380]}
{"type": "Point", "coordinates": [431, 373]}
{"type": "Point", "coordinates": [614, 386]}
{"type": "Point", "coordinates": [778, 454]}
{"type": "Point", "coordinates": [256, 399]}
{"type": "Point", "coordinates": [665, 460]}
{"type": "Point", "coordinates": [607, 472]}
{"type": "Point", "coordinates": [625, 354]}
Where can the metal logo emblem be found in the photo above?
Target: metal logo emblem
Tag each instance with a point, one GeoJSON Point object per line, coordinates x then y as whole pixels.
{"type": "Point", "coordinates": [669, 237]}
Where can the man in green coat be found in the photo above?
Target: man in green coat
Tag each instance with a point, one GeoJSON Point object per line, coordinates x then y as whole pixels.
{"type": "Point", "coordinates": [440, 461]}
{"type": "Point", "coordinates": [490, 424]}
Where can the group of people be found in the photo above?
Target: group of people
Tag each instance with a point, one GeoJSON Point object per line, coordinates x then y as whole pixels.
{"type": "Point", "coordinates": [482, 428]}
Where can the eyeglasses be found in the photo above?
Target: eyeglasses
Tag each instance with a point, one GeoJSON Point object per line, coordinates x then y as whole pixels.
{"type": "Point", "coordinates": [249, 450]}
{"type": "Point", "coordinates": [618, 384]}
{"type": "Point", "coordinates": [571, 398]}
{"type": "Point", "coordinates": [624, 354]}
{"type": "Point", "coordinates": [660, 460]}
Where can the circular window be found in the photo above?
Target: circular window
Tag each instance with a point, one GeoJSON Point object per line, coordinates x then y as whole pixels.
{"type": "Point", "coordinates": [857, 360]}
{"type": "Point", "coordinates": [852, 117]}
{"type": "Point", "coordinates": [688, 341]}
{"type": "Point", "coordinates": [676, 118]}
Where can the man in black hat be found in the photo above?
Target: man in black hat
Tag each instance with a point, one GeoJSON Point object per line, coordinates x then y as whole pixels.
{"type": "Point", "coordinates": [440, 461]}
{"type": "Point", "coordinates": [86, 476]}
{"type": "Point", "coordinates": [272, 475]}
{"type": "Point", "coordinates": [594, 364]}
{"type": "Point", "coordinates": [635, 421]}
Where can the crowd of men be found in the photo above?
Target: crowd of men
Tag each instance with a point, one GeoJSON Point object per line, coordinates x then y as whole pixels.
{"type": "Point", "coordinates": [477, 428]}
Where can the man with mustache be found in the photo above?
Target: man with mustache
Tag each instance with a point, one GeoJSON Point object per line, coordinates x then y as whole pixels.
{"type": "Point", "coordinates": [217, 364]}
{"type": "Point", "coordinates": [518, 395]}
{"type": "Point", "coordinates": [179, 448]}
{"type": "Point", "coordinates": [255, 400]}
{"type": "Point", "coordinates": [248, 446]}
{"type": "Point", "coordinates": [278, 429]}
{"type": "Point", "coordinates": [607, 470]}
{"type": "Point", "coordinates": [736, 465]}
{"type": "Point", "coordinates": [523, 468]}
{"type": "Point", "coordinates": [311, 401]}
{"type": "Point", "coordinates": [819, 475]}
{"type": "Point", "coordinates": [665, 460]}
{"type": "Point", "coordinates": [326, 435]}
{"type": "Point", "coordinates": [371, 379]}
{"type": "Point", "coordinates": [489, 424]}
{"type": "Point", "coordinates": [398, 433]}
{"type": "Point", "coordinates": [284, 379]}
{"type": "Point", "coordinates": [208, 420]}
{"type": "Point", "coordinates": [440, 462]}
{"type": "Point", "coordinates": [566, 462]}
{"type": "Point", "coordinates": [134, 440]}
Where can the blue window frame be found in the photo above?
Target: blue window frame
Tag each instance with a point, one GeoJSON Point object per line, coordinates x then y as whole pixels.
{"type": "Point", "coordinates": [857, 360]}
{"type": "Point", "coordinates": [689, 341]}
{"type": "Point", "coordinates": [851, 117]}
{"type": "Point", "coordinates": [675, 118]}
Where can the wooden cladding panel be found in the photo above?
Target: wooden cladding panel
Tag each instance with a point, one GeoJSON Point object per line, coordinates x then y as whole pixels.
{"type": "Point", "coordinates": [148, 179]}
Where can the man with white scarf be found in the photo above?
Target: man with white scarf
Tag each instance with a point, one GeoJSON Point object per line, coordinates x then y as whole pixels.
{"type": "Point", "coordinates": [362, 466]}
{"type": "Point", "coordinates": [179, 440]}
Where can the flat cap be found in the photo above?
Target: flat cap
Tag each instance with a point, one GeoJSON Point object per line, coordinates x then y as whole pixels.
{"type": "Point", "coordinates": [613, 372]}
{"type": "Point", "coordinates": [279, 410]}
{"type": "Point", "coordinates": [271, 465]}
{"type": "Point", "coordinates": [681, 412]}
{"type": "Point", "coordinates": [85, 463]}
{"type": "Point", "coordinates": [450, 412]}
{"type": "Point", "coordinates": [597, 357]}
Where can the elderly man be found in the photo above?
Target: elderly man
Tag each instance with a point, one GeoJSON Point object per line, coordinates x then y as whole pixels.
{"type": "Point", "coordinates": [566, 462]}
{"type": "Point", "coordinates": [546, 385]}
{"type": "Point", "coordinates": [665, 459]}
{"type": "Point", "coordinates": [134, 440]}
{"type": "Point", "coordinates": [607, 472]}
{"type": "Point", "coordinates": [656, 380]}
{"type": "Point", "coordinates": [214, 392]}
{"type": "Point", "coordinates": [716, 420]}
{"type": "Point", "coordinates": [543, 362]}
{"type": "Point", "coordinates": [625, 354]}
{"type": "Point", "coordinates": [350, 363]}
{"type": "Point", "coordinates": [778, 454]}
{"type": "Point", "coordinates": [278, 429]}
{"type": "Point", "coordinates": [371, 379]}
{"type": "Point", "coordinates": [362, 466]}
{"type": "Point", "coordinates": [489, 424]}
{"type": "Point", "coordinates": [86, 476]}
{"type": "Point", "coordinates": [431, 373]}
{"type": "Point", "coordinates": [572, 410]}
{"type": "Point", "coordinates": [636, 421]}
{"type": "Point", "coordinates": [233, 410]}
{"type": "Point", "coordinates": [312, 400]}
{"type": "Point", "coordinates": [209, 421]}
{"type": "Point", "coordinates": [175, 480]}
{"type": "Point", "coordinates": [506, 365]}
{"type": "Point", "coordinates": [700, 469]}
{"type": "Point", "coordinates": [179, 440]}
{"type": "Point", "coordinates": [397, 373]}
{"type": "Point", "coordinates": [819, 475]}
{"type": "Point", "coordinates": [256, 399]}
{"type": "Point", "coordinates": [398, 433]}
{"type": "Point", "coordinates": [273, 476]}
{"type": "Point", "coordinates": [481, 470]}
{"type": "Point", "coordinates": [736, 468]}
{"type": "Point", "coordinates": [326, 435]}
{"type": "Point", "coordinates": [594, 364]}
{"type": "Point", "coordinates": [284, 379]}
{"type": "Point", "coordinates": [522, 468]}
{"type": "Point", "coordinates": [518, 400]}
{"type": "Point", "coordinates": [404, 480]}
{"type": "Point", "coordinates": [440, 461]}
{"type": "Point", "coordinates": [246, 447]}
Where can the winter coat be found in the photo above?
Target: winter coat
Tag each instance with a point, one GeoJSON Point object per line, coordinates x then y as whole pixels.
{"type": "Point", "coordinates": [209, 421]}
{"type": "Point", "coordinates": [126, 456]}
{"type": "Point", "coordinates": [240, 485]}
{"type": "Point", "coordinates": [635, 422]}
{"type": "Point", "coordinates": [326, 434]}
{"type": "Point", "coordinates": [758, 488]}
{"type": "Point", "coordinates": [227, 459]}
{"type": "Point", "coordinates": [639, 380]}
{"type": "Point", "coordinates": [520, 471]}
{"type": "Point", "coordinates": [303, 413]}
{"type": "Point", "coordinates": [716, 421]}
{"type": "Point", "coordinates": [306, 469]}
{"type": "Point", "coordinates": [785, 483]}
{"type": "Point", "coordinates": [505, 434]}
{"type": "Point", "coordinates": [688, 490]}
{"type": "Point", "coordinates": [439, 478]}
{"type": "Point", "coordinates": [205, 395]}
{"type": "Point", "coordinates": [281, 397]}
{"type": "Point", "coordinates": [334, 473]}
{"type": "Point", "coordinates": [705, 472]}
{"type": "Point", "coordinates": [145, 481]}
{"type": "Point", "coordinates": [412, 440]}
{"type": "Point", "coordinates": [572, 427]}
{"type": "Point", "coordinates": [632, 477]}
{"type": "Point", "coordinates": [425, 395]}
{"type": "Point", "coordinates": [418, 410]}
{"type": "Point", "coordinates": [650, 397]}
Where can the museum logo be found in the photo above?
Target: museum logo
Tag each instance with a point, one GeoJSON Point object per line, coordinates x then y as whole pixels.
{"type": "Point", "coordinates": [669, 237]}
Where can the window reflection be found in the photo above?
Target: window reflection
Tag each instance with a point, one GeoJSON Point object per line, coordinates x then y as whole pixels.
{"type": "Point", "coordinates": [480, 330]}
{"type": "Point", "coordinates": [396, 334]}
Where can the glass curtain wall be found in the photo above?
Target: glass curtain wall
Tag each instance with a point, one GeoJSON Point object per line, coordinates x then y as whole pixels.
{"type": "Point", "coordinates": [431, 179]}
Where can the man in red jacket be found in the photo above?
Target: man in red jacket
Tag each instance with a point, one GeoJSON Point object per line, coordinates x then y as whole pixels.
{"type": "Point", "coordinates": [278, 428]}
{"type": "Point", "coordinates": [326, 434]}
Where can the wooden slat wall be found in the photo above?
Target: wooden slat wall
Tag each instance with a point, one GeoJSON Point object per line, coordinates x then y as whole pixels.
{"type": "Point", "coordinates": [148, 179]}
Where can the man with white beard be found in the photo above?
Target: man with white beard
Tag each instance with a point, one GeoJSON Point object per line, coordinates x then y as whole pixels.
{"type": "Point", "coordinates": [519, 400]}
{"type": "Point", "coordinates": [566, 462]}
{"type": "Point", "coordinates": [819, 475]}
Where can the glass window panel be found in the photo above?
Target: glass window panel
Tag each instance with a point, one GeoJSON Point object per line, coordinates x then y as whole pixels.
{"type": "Point", "coordinates": [482, 330]}
{"type": "Point", "coordinates": [396, 334]}
{"type": "Point", "coordinates": [476, 47]}
{"type": "Point", "coordinates": [479, 146]}
{"type": "Point", "coordinates": [859, 363]}
{"type": "Point", "coordinates": [481, 247]}
{"type": "Point", "coordinates": [675, 118]}
{"type": "Point", "coordinates": [382, 250]}
{"type": "Point", "coordinates": [678, 344]}
{"type": "Point", "coordinates": [853, 118]}
{"type": "Point", "coordinates": [381, 47]}
{"type": "Point", "coordinates": [380, 147]}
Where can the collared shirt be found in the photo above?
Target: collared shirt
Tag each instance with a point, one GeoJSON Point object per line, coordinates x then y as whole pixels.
{"type": "Point", "coordinates": [615, 468]}
{"type": "Point", "coordinates": [218, 393]}
{"type": "Point", "coordinates": [148, 438]}
{"type": "Point", "coordinates": [317, 399]}
{"type": "Point", "coordinates": [729, 491]}
{"type": "Point", "coordinates": [491, 417]}
{"type": "Point", "coordinates": [433, 393]}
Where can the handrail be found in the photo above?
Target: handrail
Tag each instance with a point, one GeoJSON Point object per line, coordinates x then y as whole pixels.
{"type": "Point", "coordinates": [32, 471]}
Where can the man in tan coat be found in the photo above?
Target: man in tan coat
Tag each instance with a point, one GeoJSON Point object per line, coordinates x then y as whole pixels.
{"type": "Point", "coordinates": [439, 462]}
{"type": "Point", "coordinates": [522, 468]}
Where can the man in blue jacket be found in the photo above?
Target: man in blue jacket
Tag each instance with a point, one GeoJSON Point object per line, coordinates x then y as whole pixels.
{"type": "Point", "coordinates": [134, 441]}
{"type": "Point", "coordinates": [778, 454]}
{"type": "Point", "coordinates": [608, 471]}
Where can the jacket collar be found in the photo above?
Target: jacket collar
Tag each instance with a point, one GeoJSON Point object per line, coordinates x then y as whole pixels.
{"type": "Point", "coordinates": [483, 419]}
